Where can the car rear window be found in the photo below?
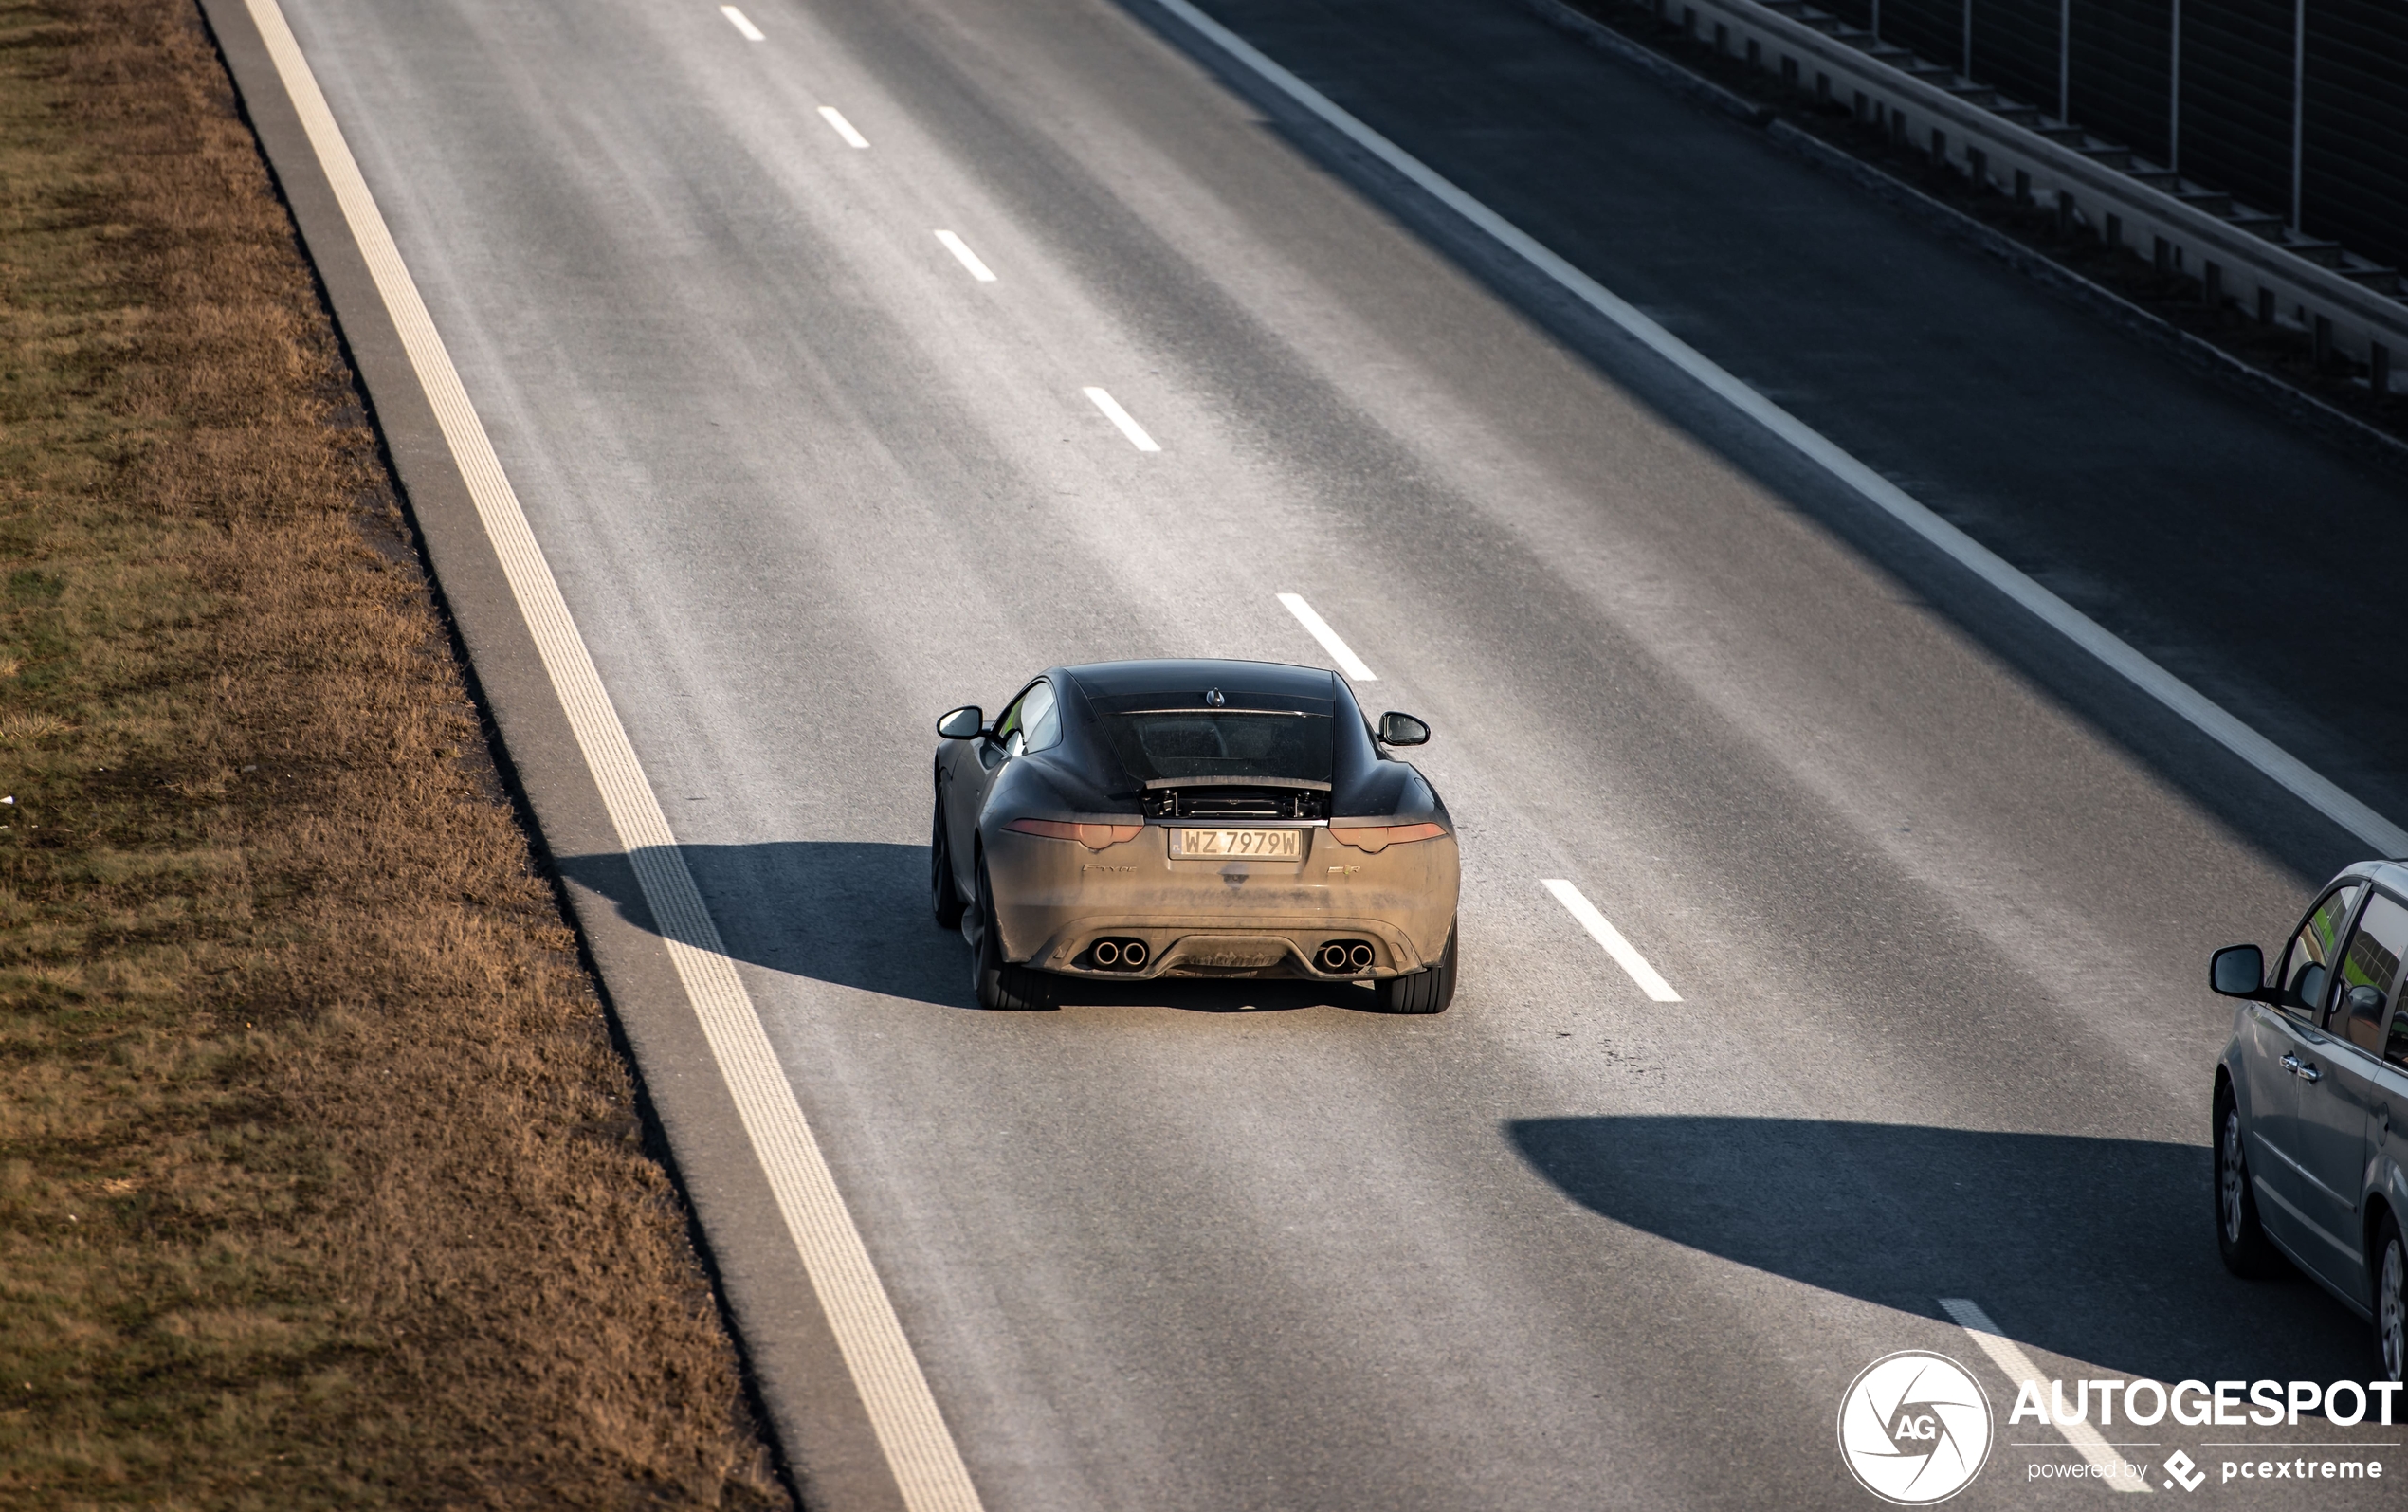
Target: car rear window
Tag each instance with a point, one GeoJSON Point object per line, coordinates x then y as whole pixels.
{"type": "Point", "coordinates": [1167, 745]}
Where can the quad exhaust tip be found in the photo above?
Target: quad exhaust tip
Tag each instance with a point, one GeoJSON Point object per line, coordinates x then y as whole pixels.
{"type": "Point", "coordinates": [1343, 955]}
{"type": "Point", "coordinates": [1120, 955]}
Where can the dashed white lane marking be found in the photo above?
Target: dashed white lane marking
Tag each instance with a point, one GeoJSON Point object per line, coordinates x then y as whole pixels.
{"type": "Point", "coordinates": [903, 1415]}
{"type": "Point", "coordinates": [2211, 719]}
{"type": "Point", "coordinates": [1339, 651]}
{"type": "Point", "coordinates": [844, 128]}
{"type": "Point", "coordinates": [2008, 1358]}
{"type": "Point", "coordinates": [742, 23]}
{"type": "Point", "coordinates": [960, 249]}
{"type": "Point", "coordinates": [1624, 954]}
{"type": "Point", "coordinates": [1120, 417]}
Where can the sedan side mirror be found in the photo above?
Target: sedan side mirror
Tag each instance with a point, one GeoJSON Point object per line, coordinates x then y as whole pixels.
{"type": "Point", "coordinates": [1402, 729]}
{"type": "Point", "coordinates": [964, 723]}
{"type": "Point", "coordinates": [2239, 971]}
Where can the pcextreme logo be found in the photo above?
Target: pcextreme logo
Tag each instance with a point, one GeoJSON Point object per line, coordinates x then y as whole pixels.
{"type": "Point", "coordinates": [1914, 1428]}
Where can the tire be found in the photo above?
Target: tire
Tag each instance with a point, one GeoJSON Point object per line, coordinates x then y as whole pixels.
{"type": "Point", "coordinates": [1427, 991]}
{"type": "Point", "coordinates": [2239, 1238]}
{"type": "Point", "coordinates": [2391, 1299]}
{"type": "Point", "coordinates": [944, 898]}
{"type": "Point", "coordinates": [1001, 986]}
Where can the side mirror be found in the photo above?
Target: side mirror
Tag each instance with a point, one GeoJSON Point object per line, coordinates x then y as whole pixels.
{"type": "Point", "coordinates": [963, 723]}
{"type": "Point", "coordinates": [1402, 729]}
{"type": "Point", "coordinates": [2364, 1004]}
{"type": "Point", "coordinates": [2238, 970]}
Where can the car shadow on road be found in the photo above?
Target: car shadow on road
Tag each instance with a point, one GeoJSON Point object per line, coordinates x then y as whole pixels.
{"type": "Point", "coordinates": [856, 913]}
{"type": "Point", "coordinates": [2099, 1249]}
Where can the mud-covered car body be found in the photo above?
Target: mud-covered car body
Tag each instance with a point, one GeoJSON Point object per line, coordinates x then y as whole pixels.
{"type": "Point", "coordinates": [1130, 820]}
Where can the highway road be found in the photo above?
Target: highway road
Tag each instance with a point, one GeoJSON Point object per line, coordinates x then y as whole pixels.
{"type": "Point", "coordinates": [1935, 890]}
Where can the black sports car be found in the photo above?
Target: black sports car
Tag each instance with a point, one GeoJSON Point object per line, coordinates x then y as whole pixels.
{"type": "Point", "coordinates": [1141, 819]}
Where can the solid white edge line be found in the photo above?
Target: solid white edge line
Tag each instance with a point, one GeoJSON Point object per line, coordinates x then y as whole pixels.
{"type": "Point", "coordinates": [1338, 650]}
{"type": "Point", "coordinates": [742, 23]}
{"type": "Point", "coordinates": [2018, 1367]}
{"type": "Point", "coordinates": [1122, 418]}
{"type": "Point", "coordinates": [844, 128]}
{"type": "Point", "coordinates": [2310, 787]}
{"type": "Point", "coordinates": [961, 250]}
{"type": "Point", "coordinates": [1623, 954]}
{"type": "Point", "coordinates": [910, 1429]}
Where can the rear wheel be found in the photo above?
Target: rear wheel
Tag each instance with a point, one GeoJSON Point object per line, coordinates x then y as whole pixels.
{"type": "Point", "coordinates": [943, 896]}
{"type": "Point", "coordinates": [1002, 985]}
{"type": "Point", "coordinates": [1427, 991]}
{"type": "Point", "coordinates": [2391, 1299]}
{"type": "Point", "coordinates": [2239, 1238]}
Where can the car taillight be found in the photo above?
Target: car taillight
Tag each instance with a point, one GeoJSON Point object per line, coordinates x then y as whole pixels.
{"type": "Point", "coordinates": [1376, 838]}
{"type": "Point", "coordinates": [1093, 836]}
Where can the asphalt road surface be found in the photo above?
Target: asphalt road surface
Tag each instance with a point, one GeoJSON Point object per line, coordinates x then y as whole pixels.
{"type": "Point", "coordinates": [1935, 890]}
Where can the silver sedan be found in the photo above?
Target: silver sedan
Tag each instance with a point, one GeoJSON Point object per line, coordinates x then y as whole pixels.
{"type": "Point", "coordinates": [2311, 1103]}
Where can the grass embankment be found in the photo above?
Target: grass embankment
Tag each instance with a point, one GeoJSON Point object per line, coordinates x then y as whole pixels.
{"type": "Point", "coordinates": [320, 1183]}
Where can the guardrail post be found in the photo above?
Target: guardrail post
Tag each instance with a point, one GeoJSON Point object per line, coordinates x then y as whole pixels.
{"type": "Point", "coordinates": [2097, 187]}
{"type": "Point", "coordinates": [2065, 59]}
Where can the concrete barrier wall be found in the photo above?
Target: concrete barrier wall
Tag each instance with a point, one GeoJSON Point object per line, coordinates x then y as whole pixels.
{"type": "Point", "coordinates": [2206, 86]}
{"type": "Point", "coordinates": [2342, 299]}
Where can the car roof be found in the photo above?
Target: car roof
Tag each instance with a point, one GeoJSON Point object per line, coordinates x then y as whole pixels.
{"type": "Point", "coordinates": [2391, 874]}
{"type": "Point", "coordinates": [1272, 679]}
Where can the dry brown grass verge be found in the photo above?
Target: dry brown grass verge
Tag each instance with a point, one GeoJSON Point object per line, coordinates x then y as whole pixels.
{"type": "Point", "coordinates": [320, 1183]}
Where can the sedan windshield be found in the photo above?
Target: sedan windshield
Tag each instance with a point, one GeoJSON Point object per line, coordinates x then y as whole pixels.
{"type": "Point", "coordinates": [1158, 746]}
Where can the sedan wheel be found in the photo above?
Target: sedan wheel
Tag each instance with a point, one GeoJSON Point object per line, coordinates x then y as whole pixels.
{"type": "Point", "coordinates": [2239, 1238]}
{"type": "Point", "coordinates": [2391, 1305]}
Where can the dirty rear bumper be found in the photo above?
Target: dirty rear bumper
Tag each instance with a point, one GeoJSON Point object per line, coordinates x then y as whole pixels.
{"type": "Point", "coordinates": [1221, 917]}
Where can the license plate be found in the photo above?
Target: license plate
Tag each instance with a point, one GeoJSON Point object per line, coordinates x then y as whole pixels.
{"type": "Point", "coordinates": [1256, 844]}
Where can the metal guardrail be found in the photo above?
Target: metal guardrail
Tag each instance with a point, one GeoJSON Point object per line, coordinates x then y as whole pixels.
{"type": "Point", "coordinates": [2345, 303]}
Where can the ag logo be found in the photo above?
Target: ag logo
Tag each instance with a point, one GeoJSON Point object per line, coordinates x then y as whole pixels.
{"type": "Point", "coordinates": [1914, 1428]}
